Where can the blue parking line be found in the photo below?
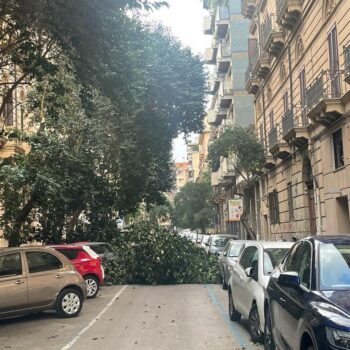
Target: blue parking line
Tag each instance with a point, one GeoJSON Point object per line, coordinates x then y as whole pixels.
{"type": "Point", "coordinates": [231, 325]}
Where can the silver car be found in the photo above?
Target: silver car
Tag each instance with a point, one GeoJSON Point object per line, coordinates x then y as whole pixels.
{"type": "Point", "coordinates": [249, 280]}
{"type": "Point", "coordinates": [228, 258]}
{"type": "Point", "coordinates": [217, 243]}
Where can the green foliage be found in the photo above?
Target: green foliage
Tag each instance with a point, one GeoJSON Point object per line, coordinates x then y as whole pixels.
{"type": "Point", "coordinates": [149, 254]}
{"type": "Point", "coordinates": [193, 206]}
{"type": "Point", "coordinates": [247, 151]}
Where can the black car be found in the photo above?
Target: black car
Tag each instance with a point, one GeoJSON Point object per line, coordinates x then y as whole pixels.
{"type": "Point", "coordinates": [307, 304]}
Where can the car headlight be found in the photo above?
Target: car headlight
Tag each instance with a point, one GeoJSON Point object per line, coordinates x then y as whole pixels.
{"type": "Point", "coordinates": [338, 338]}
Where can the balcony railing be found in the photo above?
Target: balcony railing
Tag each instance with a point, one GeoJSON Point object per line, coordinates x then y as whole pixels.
{"type": "Point", "coordinates": [251, 81]}
{"type": "Point", "coordinates": [273, 136]}
{"type": "Point", "coordinates": [222, 14]}
{"type": "Point", "coordinates": [208, 25]}
{"type": "Point", "coordinates": [224, 51]}
{"type": "Point", "coordinates": [288, 12]}
{"type": "Point", "coordinates": [226, 88]}
{"type": "Point", "coordinates": [288, 121]}
{"type": "Point", "coordinates": [280, 5]}
{"type": "Point", "coordinates": [272, 36]}
{"type": "Point", "coordinates": [347, 63]}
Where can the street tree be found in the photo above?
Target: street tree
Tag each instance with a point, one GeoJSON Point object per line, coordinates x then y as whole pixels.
{"type": "Point", "coordinates": [247, 153]}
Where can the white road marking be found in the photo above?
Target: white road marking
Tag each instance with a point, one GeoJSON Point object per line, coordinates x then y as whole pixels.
{"type": "Point", "coordinates": [77, 337]}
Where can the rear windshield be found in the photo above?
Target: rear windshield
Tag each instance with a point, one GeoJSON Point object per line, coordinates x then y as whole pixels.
{"type": "Point", "coordinates": [69, 253]}
{"type": "Point", "coordinates": [272, 258]}
{"type": "Point", "coordinates": [334, 260]}
{"type": "Point", "coordinates": [235, 250]}
{"type": "Point", "coordinates": [220, 241]}
{"type": "Point", "coordinates": [100, 248]}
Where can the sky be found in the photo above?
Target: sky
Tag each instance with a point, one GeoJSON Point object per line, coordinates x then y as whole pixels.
{"type": "Point", "coordinates": [185, 19]}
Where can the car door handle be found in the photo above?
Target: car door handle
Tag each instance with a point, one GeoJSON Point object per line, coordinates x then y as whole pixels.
{"type": "Point", "coordinates": [19, 282]}
{"type": "Point", "coordinates": [241, 277]}
{"type": "Point", "coordinates": [282, 300]}
{"type": "Point", "coordinates": [59, 276]}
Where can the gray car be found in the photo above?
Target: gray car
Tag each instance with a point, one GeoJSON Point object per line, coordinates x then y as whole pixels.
{"type": "Point", "coordinates": [228, 258]}
{"type": "Point", "coordinates": [35, 279]}
{"type": "Point", "coordinates": [217, 242]}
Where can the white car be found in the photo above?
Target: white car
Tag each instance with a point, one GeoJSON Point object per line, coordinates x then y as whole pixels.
{"type": "Point", "coordinates": [248, 281]}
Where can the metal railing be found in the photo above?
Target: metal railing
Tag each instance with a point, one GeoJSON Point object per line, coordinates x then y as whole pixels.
{"type": "Point", "coordinates": [226, 88]}
{"type": "Point", "coordinates": [273, 136]}
{"type": "Point", "coordinates": [222, 14]}
{"type": "Point", "coordinates": [328, 85]}
{"type": "Point", "coordinates": [269, 27]}
{"type": "Point", "coordinates": [280, 5]}
{"type": "Point", "coordinates": [224, 51]}
{"type": "Point", "coordinates": [288, 121]}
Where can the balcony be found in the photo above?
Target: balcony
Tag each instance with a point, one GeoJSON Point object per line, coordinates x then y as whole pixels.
{"type": "Point", "coordinates": [215, 81]}
{"type": "Point", "coordinates": [226, 172]}
{"type": "Point", "coordinates": [269, 162]}
{"type": "Point", "coordinates": [225, 94]}
{"type": "Point", "coordinates": [208, 25]}
{"type": "Point", "coordinates": [295, 128]}
{"type": "Point", "coordinates": [347, 64]}
{"type": "Point", "coordinates": [259, 62]}
{"type": "Point", "coordinates": [325, 98]}
{"type": "Point", "coordinates": [252, 82]}
{"type": "Point", "coordinates": [277, 147]}
{"type": "Point", "coordinates": [211, 117]}
{"type": "Point", "coordinates": [273, 36]}
{"type": "Point", "coordinates": [248, 8]}
{"type": "Point", "coordinates": [214, 178]}
{"type": "Point", "coordinates": [288, 13]}
{"type": "Point", "coordinates": [224, 57]}
{"type": "Point", "coordinates": [217, 114]}
{"type": "Point", "coordinates": [225, 125]}
{"type": "Point", "coordinates": [210, 55]}
{"type": "Point", "coordinates": [222, 21]}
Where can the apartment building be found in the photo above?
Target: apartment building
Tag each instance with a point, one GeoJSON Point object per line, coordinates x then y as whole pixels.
{"type": "Point", "coordinates": [231, 104]}
{"type": "Point", "coordinates": [299, 75]}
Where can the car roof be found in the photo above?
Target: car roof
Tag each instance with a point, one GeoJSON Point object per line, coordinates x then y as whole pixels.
{"type": "Point", "coordinates": [25, 249]}
{"type": "Point", "coordinates": [330, 238]}
{"type": "Point", "coordinates": [272, 244]}
{"type": "Point", "coordinates": [224, 235]}
{"type": "Point", "coordinates": [90, 243]}
{"type": "Point", "coordinates": [66, 246]}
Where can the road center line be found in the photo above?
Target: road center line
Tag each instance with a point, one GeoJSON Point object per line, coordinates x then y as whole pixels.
{"type": "Point", "coordinates": [77, 337]}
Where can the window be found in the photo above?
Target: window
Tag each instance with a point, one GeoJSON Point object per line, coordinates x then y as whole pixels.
{"type": "Point", "coordinates": [299, 260]}
{"type": "Point", "coordinates": [285, 102]}
{"type": "Point", "coordinates": [8, 110]}
{"type": "Point", "coordinates": [334, 62]}
{"type": "Point", "coordinates": [302, 85]}
{"type": "Point", "coordinates": [338, 149]}
{"type": "Point", "coordinates": [69, 253]}
{"type": "Point", "coordinates": [272, 258]}
{"type": "Point", "coordinates": [235, 250]}
{"type": "Point", "coordinates": [273, 205]}
{"type": "Point", "coordinates": [248, 256]}
{"type": "Point", "coordinates": [290, 201]}
{"type": "Point", "coordinates": [42, 261]}
{"type": "Point", "coordinates": [10, 265]}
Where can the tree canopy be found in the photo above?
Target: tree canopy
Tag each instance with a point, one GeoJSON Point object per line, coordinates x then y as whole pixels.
{"type": "Point", "coordinates": [107, 95]}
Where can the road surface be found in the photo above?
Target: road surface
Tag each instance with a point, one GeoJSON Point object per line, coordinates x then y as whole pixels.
{"type": "Point", "coordinates": [186, 317]}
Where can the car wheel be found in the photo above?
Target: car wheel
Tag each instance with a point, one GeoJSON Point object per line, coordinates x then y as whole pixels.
{"type": "Point", "coordinates": [69, 303]}
{"type": "Point", "coordinates": [234, 314]}
{"type": "Point", "coordinates": [254, 325]}
{"type": "Point", "coordinates": [92, 286]}
{"type": "Point", "coordinates": [269, 343]}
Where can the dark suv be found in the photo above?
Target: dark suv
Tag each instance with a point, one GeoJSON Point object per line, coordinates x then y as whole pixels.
{"type": "Point", "coordinates": [307, 305]}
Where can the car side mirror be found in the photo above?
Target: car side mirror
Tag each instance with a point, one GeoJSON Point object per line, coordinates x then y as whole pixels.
{"type": "Point", "coordinates": [249, 271]}
{"type": "Point", "coordinates": [224, 253]}
{"type": "Point", "coordinates": [290, 279]}
{"type": "Point", "coordinates": [207, 244]}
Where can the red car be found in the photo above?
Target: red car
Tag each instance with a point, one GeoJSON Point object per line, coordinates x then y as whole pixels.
{"type": "Point", "coordinates": [87, 263]}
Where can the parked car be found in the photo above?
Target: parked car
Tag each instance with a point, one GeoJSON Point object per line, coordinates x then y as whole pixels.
{"type": "Point", "coordinates": [103, 249]}
{"type": "Point", "coordinates": [216, 243]}
{"type": "Point", "coordinates": [307, 302]}
{"type": "Point", "coordinates": [228, 258]}
{"type": "Point", "coordinates": [205, 240]}
{"type": "Point", "coordinates": [248, 281]}
{"type": "Point", "coordinates": [35, 279]}
{"type": "Point", "coordinates": [87, 263]}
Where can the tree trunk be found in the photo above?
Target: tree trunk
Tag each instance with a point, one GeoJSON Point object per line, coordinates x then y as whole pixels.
{"type": "Point", "coordinates": [14, 237]}
{"type": "Point", "coordinates": [72, 224]}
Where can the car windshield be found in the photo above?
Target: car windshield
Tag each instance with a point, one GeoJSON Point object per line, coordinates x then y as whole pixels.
{"type": "Point", "coordinates": [334, 260]}
{"type": "Point", "coordinates": [220, 241]}
{"type": "Point", "coordinates": [234, 250]}
{"type": "Point", "coordinates": [272, 258]}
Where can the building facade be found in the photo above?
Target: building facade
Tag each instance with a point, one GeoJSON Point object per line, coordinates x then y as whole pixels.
{"type": "Point", "coordinates": [231, 104]}
{"type": "Point", "coordinates": [299, 75]}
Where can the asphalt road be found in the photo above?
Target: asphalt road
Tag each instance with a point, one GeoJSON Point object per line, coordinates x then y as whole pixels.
{"type": "Point", "coordinates": [188, 317]}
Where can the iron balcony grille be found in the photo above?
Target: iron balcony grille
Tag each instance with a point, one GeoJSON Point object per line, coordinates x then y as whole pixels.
{"type": "Point", "coordinates": [314, 93]}
{"type": "Point", "coordinates": [288, 122]}
{"type": "Point", "coordinates": [273, 137]}
{"type": "Point", "coordinates": [280, 4]}
{"type": "Point", "coordinates": [267, 29]}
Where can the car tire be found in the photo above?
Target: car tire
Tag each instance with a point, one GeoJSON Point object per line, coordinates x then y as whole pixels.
{"type": "Point", "coordinates": [310, 347]}
{"type": "Point", "coordinates": [233, 313]}
{"type": "Point", "coordinates": [254, 325]}
{"type": "Point", "coordinates": [269, 343]}
{"type": "Point", "coordinates": [69, 303]}
{"type": "Point", "coordinates": [92, 286]}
